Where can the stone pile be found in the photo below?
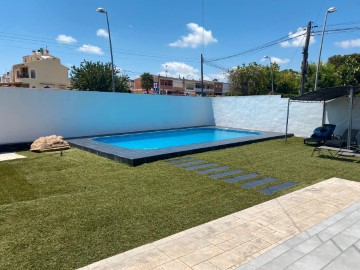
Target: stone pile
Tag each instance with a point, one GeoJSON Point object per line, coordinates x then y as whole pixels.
{"type": "Point", "coordinates": [49, 143]}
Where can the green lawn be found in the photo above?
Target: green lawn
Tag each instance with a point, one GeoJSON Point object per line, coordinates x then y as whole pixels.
{"type": "Point", "coordinates": [64, 212]}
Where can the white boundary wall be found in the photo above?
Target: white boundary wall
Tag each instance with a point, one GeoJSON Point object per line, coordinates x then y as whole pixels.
{"type": "Point", "coordinates": [268, 113]}
{"type": "Point", "coordinates": [27, 114]}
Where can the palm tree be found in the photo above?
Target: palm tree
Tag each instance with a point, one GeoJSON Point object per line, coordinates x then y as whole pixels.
{"type": "Point", "coordinates": [147, 81]}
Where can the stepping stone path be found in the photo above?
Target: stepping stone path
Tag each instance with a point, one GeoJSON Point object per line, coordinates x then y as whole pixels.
{"type": "Point", "coordinates": [216, 171]}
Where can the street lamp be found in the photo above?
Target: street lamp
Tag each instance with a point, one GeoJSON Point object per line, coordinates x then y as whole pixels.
{"type": "Point", "coordinates": [102, 10]}
{"type": "Point", "coordinates": [330, 10]}
{"type": "Point", "coordinates": [272, 74]}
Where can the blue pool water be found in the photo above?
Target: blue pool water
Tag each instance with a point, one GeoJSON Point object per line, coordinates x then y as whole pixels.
{"type": "Point", "coordinates": [171, 138]}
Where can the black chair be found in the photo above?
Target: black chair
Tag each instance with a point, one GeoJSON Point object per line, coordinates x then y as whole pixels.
{"type": "Point", "coordinates": [341, 141]}
{"type": "Point", "coordinates": [321, 134]}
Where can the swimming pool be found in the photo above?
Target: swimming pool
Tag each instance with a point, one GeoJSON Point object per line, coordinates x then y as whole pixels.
{"type": "Point", "coordinates": [172, 138]}
{"type": "Point", "coordinates": [143, 147]}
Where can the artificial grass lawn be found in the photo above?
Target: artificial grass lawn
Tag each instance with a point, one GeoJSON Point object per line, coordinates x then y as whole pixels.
{"type": "Point", "coordinates": [64, 212]}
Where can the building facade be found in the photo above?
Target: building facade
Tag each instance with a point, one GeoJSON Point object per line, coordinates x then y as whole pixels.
{"type": "Point", "coordinates": [182, 87]}
{"type": "Point", "coordinates": [39, 70]}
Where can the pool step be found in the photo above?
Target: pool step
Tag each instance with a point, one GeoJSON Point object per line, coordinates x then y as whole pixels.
{"type": "Point", "coordinates": [241, 178]}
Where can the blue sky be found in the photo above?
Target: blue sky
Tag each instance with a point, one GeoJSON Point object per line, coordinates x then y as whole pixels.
{"type": "Point", "coordinates": [168, 37]}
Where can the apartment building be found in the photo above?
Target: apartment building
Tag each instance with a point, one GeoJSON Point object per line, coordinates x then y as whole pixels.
{"type": "Point", "coordinates": [39, 70]}
{"type": "Point", "coordinates": [181, 87]}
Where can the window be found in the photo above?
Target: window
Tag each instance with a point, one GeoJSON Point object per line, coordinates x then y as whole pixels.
{"type": "Point", "coordinates": [33, 74]}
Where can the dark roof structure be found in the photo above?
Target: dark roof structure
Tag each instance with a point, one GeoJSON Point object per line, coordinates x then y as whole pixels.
{"type": "Point", "coordinates": [325, 94]}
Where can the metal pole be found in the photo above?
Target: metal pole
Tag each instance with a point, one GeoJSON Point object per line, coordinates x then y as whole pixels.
{"type": "Point", "coordinates": [112, 59]}
{"type": "Point", "coordinates": [272, 77]}
{"type": "Point", "coordinates": [202, 75]}
{"type": "Point", "coordinates": [304, 63]}
{"type": "Point", "coordinates": [324, 112]}
{"type": "Point", "coordinates": [351, 100]}
{"type": "Point", "coordinates": [330, 10]}
{"type": "Point", "coordinates": [287, 120]}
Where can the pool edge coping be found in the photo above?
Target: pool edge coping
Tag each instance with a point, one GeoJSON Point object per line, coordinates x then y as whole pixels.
{"type": "Point", "coordinates": [138, 157]}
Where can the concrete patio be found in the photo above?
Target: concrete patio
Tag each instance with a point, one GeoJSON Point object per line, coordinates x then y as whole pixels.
{"type": "Point", "coordinates": [260, 232]}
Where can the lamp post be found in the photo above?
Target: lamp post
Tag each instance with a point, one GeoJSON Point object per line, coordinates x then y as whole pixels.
{"type": "Point", "coordinates": [272, 74]}
{"type": "Point", "coordinates": [330, 10]}
{"type": "Point", "coordinates": [102, 10]}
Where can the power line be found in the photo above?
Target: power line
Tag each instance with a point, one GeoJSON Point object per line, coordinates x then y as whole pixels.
{"type": "Point", "coordinates": [279, 41]}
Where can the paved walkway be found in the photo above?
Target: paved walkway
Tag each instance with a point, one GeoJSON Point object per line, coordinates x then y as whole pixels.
{"type": "Point", "coordinates": [237, 239]}
{"type": "Point", "coordinates": [10, 156]}
{"type": "Point", "coordinates": [333, 244]}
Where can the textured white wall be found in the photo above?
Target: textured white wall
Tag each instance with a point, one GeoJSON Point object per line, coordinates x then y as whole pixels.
{"type": "Point", "coordinates": [268, 113]}
{"type": "Point", "coordinates": [337, 112]}
{"type": "Point", "coordinates": [27, 114]}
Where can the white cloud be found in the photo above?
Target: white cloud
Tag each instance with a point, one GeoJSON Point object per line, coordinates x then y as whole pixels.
{"type": "Point", "coordinates": [221, 77]}
{"type": "Point", "coordinates": [298, 39]}
{"type": "Point", "coordinates": [346, 44]}
{"type": "Point", "coordinates": [197, 36]}
{"type": "Point", "coordinates": [65, 39]}
{"type": "Point", "coordinates": [102, 33]}
{"type": "Point", "coordinates": [174, 69]}
{"type": "Point", "coordinates": [277, 60]}
{"type": "Point", "coordinates": [87, 48]}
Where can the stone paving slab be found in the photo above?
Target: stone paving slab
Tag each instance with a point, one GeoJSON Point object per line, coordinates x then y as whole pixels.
{"type": "Point", "coordinates": [10, 156]}
{"type": "Point", "coordinates": [259, 182]}
{"type": "Point", "coordinates": [265, 232]}
{"type": "Point", "coordinates": [202, 166]}
{"type": "Point", "coordinates": [227, 173]}
{"type": "Point", "coordinates": [189, 163]}
{"type": "Point", "coordinates": [213, 170]}
{"type": "Point", "coordinates": [272, 189]}
{"type": "Point", "coordinates": [179, 160]}
{"type": "Point", "coordinates": [241, 178]}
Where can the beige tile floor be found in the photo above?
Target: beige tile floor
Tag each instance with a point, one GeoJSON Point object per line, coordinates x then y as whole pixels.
{"type": "Point", "coordinates": [233, 240]}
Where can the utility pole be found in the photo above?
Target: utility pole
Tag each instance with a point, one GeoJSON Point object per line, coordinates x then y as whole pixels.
{"type": "Point", "coordinates": [304, 64]}
{"type": "Point", "coordinates": [202, 75]}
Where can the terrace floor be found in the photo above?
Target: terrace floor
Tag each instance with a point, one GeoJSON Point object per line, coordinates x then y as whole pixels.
{"type": "Point", "coordinates": [316, 227]}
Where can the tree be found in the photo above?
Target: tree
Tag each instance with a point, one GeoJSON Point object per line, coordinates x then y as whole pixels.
{"type": "Point", "coordinates": [349, 72]}
{"type": "Point", "coordinates": [96, 76]}
{"type": "Point", "coordinates": [147, 81]}
{"type": "Point", "coordinates": [253, 79]}
{"type": "Point", "coordinates": [248, 80]}
{"type": "Point", "coordinates": [288, 82]}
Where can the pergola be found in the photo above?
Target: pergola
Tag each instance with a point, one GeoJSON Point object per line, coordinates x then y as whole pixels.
{"type": "Point", "coordinates": [326, 94]}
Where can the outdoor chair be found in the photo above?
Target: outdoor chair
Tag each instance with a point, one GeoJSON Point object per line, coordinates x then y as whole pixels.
{"type": "Point", "coordinates": [341, 141]}
{"type": "Point", "coordinates": [321, 134]}
{"type": "Point", "coordinates": [355, 152]}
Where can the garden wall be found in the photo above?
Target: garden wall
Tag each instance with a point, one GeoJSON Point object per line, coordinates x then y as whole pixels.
{"type": "Point", "coordinates": [268, 113]}
{"type": "Point", "coordinates": [27, 114]}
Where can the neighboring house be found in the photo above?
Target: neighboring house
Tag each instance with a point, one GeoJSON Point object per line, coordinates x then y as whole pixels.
{"type": "Point", "coordinates": [6, 78]}
{"type": "Point", "coordinates": [178, 86]}
{"type": "Point", "coordinates": [39, 70]}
